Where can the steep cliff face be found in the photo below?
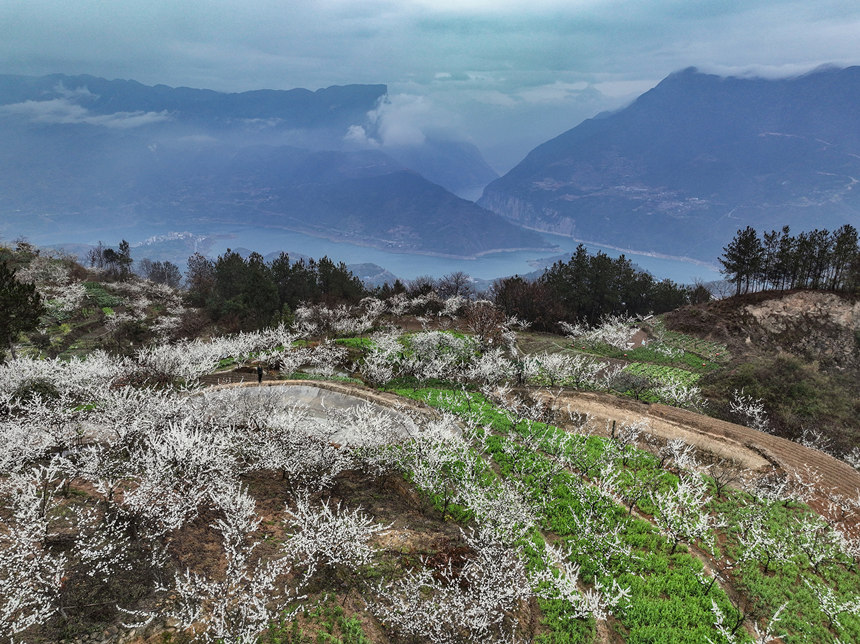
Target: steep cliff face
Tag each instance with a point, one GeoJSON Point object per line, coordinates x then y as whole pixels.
{"type": "Point", "coordinates": [526, 214]}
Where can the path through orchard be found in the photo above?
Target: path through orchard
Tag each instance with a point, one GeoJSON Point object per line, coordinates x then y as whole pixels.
{"type": "Point", "coordinates": [753, 449]}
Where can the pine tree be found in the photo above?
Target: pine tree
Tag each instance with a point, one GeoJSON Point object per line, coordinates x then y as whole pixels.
{"type": "Point", "coordinates": [742, 259]}
{"type": "Point", "coordinates": [20, 306]}
{"type": "Point", "coordinates": [845, 251]}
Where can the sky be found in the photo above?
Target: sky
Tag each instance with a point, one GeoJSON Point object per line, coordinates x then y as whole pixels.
{"type": "Point", "coordinates": [504, 74]}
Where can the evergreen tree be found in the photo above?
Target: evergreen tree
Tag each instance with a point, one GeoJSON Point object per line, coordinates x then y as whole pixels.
{"type": "Point", "coordinates": [742, 259]}
{"type": "Point", "coordinates": [784, 260]}
{"type": "Point", "coordinates": [200, 279]}
{"type": "Point", "coordinates": [845, 251]}
{"type": "Point", "coordinates": [20, 306]}
{"type": "Point", "coordinates": [588, 287]}
{"type": "Point", "coordinates": [124, 260]}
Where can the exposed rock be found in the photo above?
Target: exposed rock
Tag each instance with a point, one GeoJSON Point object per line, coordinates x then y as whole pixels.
{"type": "Point", "coordinates": [822, 326]}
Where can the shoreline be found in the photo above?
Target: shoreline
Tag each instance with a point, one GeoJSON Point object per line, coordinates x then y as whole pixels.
{"type": "Point", "coordinates": [367, 243]}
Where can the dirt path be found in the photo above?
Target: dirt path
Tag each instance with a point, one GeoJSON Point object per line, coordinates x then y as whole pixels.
{"type": "Point", "coordinates": [755, 450]}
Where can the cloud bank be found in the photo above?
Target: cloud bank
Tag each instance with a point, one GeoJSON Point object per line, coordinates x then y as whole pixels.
{"type": "Point", "coordinates": [65, 110]}
{"type": "Point", "coordinates": [501, 66]}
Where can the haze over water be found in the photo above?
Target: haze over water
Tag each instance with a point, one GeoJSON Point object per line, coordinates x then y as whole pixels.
{"type": "Point", "coordinates": [488, 267]}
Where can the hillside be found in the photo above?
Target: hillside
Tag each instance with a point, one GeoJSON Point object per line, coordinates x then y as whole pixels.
{"type": "Point", "coordinates": [798, 352]}
{"type": "Point", "coordinates": [692, 160]}
{"type": "Point", "coordinates": [463, 480]}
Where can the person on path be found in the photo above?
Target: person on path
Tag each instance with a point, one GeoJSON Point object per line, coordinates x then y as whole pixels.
{"type": "Point", "coordinates": [259, 374]}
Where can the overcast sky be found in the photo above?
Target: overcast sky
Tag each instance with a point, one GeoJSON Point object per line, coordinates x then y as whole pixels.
{"type": "Point", "coordinates": [506, 74]}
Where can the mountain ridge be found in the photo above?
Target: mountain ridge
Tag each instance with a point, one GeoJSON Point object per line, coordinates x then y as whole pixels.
{"type": "Point", "coordinates": [79, 154]}
{"type": "Point", "coordinates": [694, 159]}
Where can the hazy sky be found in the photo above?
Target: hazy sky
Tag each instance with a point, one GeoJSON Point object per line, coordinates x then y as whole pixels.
{"type": "Point", "coordinates": [507, 74]}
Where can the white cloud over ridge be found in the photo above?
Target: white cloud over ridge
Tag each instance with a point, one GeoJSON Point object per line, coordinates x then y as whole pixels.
{"type": "Point", "coordinates": [66, 111]}
{"type": "Point", "coordinates": [508, 69]}
{"type": "Point", "coordinates": [402, 120]}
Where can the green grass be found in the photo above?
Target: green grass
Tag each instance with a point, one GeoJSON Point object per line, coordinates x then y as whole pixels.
{"type": "Point", "coordinates": [669, 602]}
{"type": "Point", "coordinates": [361, 343]}
{"type": "Point", "coordinates": [782, 582]}
{"type": "Point", "coordinates": [650, 354]}
{"type": "Point", "coordinates": [97, 293]}
{"type": "Point", "coordinates": [662, 373]}
{"type": "Point", "coordinates": [301, 375]}
{"type": "Point", "coordinates": [326, 623]}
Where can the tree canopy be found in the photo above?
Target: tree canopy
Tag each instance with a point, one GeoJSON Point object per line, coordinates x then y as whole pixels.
{"type": "Point", "coordinates": [20, 306]}
{"type": "Point", "coordinates": [588, 287]}
{"type": "Point", "coordinates": [249, 293]}
{"type": "Point", "coordinates": [817, 259]}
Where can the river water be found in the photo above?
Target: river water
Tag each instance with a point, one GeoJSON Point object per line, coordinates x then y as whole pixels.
{"type": "Point", "coordinates": [487, 267]}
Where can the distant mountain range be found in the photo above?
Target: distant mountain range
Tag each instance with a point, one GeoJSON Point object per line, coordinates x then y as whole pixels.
{"type": "Point", "coordinates": [677, 172]}
{"type": "Point", "coordinates": [79, 153]}
{"type": "Point", "coordinates": [686, 165]}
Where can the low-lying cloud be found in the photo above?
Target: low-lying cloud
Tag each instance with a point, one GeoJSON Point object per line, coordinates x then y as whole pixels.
{"type": "Point", "coordinates": [402, 120]}
{"type": "Point", "coordinates": [65, 111]}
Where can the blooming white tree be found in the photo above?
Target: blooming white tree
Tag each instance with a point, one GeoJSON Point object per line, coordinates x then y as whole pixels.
{"type": "Point", "coordinates": [327, 357]}
{"type": "Point", "coordinates": [852, 457]}
{"type": "Point", "coordinates": [682, 514]}
{"type": "Point", "coordinates": [761, 542]}
{"type": "Point", "coordinates": [176, 467]}
{"type": "Point", "coordinates": [502, 511]}
{"type": "Point", "coordinates": [562, 578]}
{"type": "Point", "coordinates": [326, 535]}
{"type": "Point", "coordinates": [818, 541]}
{"type": "Point", "coordinates": [83, 380]}
{"type": "Point", "coordinates": [614, 330]}
{"type": "Point", "coordinates": [473, 604]}
{"type": "Point", "coordinates": [490, 368]}
{"type": "Point", "coordinates": [679, 453]}
{"type": "Point", "coordinates": [561, 368]}
{"type": "Point", "coordinates": [252, 592]}
{"type": "Point", "coordinates": [831, 605]}
{"type": "Point", "coordinates": [674, 392]}
{"type": "Point", "coordinates": [31, 576]}
{"type": "Point", "coordinates": [383, 360]}
{"type": "Point", "coordinates": [750, 410]}
{"type": "Point", "coordinates": [374, 434]}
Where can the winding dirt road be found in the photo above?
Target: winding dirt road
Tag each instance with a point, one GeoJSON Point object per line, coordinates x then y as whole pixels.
{"type": "Point", "coordinates": [753, 449]}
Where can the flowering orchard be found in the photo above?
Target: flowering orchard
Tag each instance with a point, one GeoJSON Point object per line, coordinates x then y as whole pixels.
{"type": "Point", "coordinates": [133, 496]}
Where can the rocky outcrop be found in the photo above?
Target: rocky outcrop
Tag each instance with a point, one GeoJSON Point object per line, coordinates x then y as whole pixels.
{"type": "Point", "coordinates": [824, 327]}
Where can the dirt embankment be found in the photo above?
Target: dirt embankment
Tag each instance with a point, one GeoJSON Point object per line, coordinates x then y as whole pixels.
{"type": "Point", "coordinates": [822, 326]}
{"type": "Point", "coordinates": [815, 325]}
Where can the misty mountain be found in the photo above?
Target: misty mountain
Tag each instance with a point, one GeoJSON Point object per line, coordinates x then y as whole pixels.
{"type": "Point", "coordinates": [59, 98]}
{"type": "Point", "coordinates": [691, 161]}
{"type": "Point", "coordinates": [84, 154]}
{"type": "Point", "coordinates": [456, 165]}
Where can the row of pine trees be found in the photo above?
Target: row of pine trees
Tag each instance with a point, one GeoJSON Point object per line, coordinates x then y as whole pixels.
{"type": "Point", "coordinates": [778, 260]}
